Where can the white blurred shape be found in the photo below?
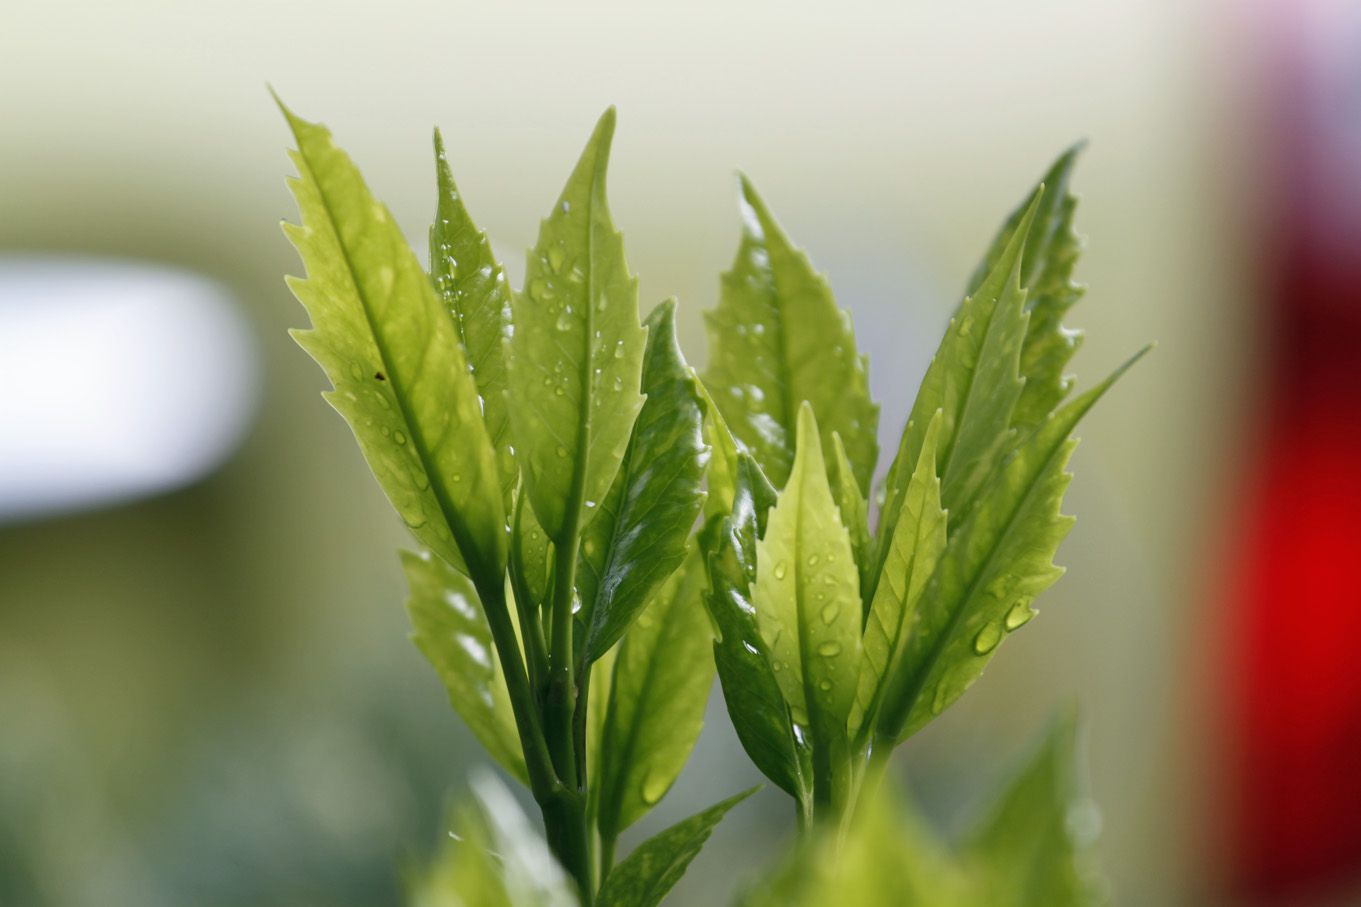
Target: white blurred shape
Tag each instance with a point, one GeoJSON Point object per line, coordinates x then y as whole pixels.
{"type": "Point", "coordinates": [122, 380]}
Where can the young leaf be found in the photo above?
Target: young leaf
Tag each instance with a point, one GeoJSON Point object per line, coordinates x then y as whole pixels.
{"type": "Point", "coordinates": [914, 551]}
{"type": "Point", "coordinates": [779, 339]}
{"type": "Point", "coordinates": [576, 354]}
{"type": "Point", "coordinates": [755, 704]}
{"type": "Point", "coordinates": [661, 683]}
{"type": "Point", "coordinates": [639, 536]}
{"type": "Point", "coordinates": [653, 869]}
{"type": "Point", "coordinates": [974, 380]}
{"type": "Point", "coordinates": [1051, 253]}
{"type": "Point", "coordinates": [850, 503]}
{"type": "Point", "coordinates": [390, 349]}
{"type": "Point", "coordinates": [451, 631]}
{"type": "Point", "coordinates": [1028, 850]}
{"type": "Point", "coordinates": [992, 569]}
{"type": "Point", "coordinates": [473, 286]}
{"type": "Point", "coordinates": [807, 597]}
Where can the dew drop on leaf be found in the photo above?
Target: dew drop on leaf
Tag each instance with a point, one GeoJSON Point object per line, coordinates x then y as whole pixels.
{"type": "Point", "coordinates": [987, 639]}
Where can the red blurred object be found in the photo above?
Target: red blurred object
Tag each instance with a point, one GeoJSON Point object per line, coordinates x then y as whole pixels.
{"type": "Point", "coordinates": [1297, 598]}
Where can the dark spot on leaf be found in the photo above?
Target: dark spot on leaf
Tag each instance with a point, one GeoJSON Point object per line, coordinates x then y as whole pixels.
{"type": "Point", "coordinates": [380, 376]}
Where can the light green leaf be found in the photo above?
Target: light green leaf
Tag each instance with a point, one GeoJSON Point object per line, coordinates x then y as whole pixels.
{"type": "Point", "coordinates": [887, 857]}
{"type": "Point", "coordinates": [531, 876]}
{"type": "Point", "coordinates": [974, 381]}
{"type": "Point", "coordinates": [464, 871]}
{"type": "Point", "coordinates": [388, 345]}
{"type": "Point", "coordinates": [914, 552]}
{"type": "Point", "coordinates": [639, 536]}
{"type": "Point", "coordinates": [473, 286]}
{"type": "Point", "coordinates": [1029, 847]}
{"type": "Point", "coordinates": [450, 629]}
{"type": "Point", "coordinates": [661, 683]}
{"type": "Point", "coordinates": [807, 598]}
{"type": "Point", "coordinates": [850, 503]}
{"type": "Point", "coordinates": [993, 567]}
{"type": "Point", "coordinates": [657, 864]}
{"type": "Point", "coordinates": [755, 704]}
{"type": "Point", "coordinates": [576, 355]}
{"type": "Point", "coordinates": [778, 339]}
{"type": "Point", "coordinates": [1051, 253]}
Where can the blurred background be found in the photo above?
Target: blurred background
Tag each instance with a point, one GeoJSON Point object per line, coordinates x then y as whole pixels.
{"type": "Point", "coordinates": [206, 692]}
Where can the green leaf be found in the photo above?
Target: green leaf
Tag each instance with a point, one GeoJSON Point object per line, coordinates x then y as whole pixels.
{"type": "Point", "coordinates": [639, 536]}
{"type": "Point", "coordinates": [576, 355]}
{"type": "Point", "coordinates": [1051, 252]}
{"type": "Point", "coordinates": [778, 339]}
{"type": "Point", "coordinates": [850, 503]}
{"type": "Point", "coordinates": [913, 554]}
{"type": "Point", "coordinates": [1028, 849]}
{"type": "Point", "coordinates": [886, 857]}
{"type": "Point", "coordinates": [657, 864]}
{"type": "Point", "coordinates": [530, 874]}
{"type": "Point", "coordinates": [807, 597]}
{"type": "Point", "coordinates": [992, 569]}
{"type": "Point", "coordinates": [755, 704]}
{"type": "Point", "coordinates": [722, 473]}
{"type": "Point", "coordinates": [390, 349]}
{"type": "Point", "coordinates": [974, 381]}
{"type": "Point", "coordinates": [450, 629]}
{"type": "Point", "coordinates": [473, 286]}
{"type": "Point", "coordinates": [661, 683]}
{"type": "Point", "coordinates": [464, 871]}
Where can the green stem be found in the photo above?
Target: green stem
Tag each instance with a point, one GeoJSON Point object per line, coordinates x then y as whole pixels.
{"type": "Point", "coordinates": [560, 707]}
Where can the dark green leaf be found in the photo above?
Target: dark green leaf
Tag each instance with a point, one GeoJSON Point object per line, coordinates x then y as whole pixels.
{"type": "Point", "coordinates": [657, 864]}
{"type": "Point", "coordinates": [778, 340]}
{"type": "Point", "coordinates": [660, 685]}
{"type": "Point", "coordinates": [755, 704]}
{"type": "Point", "coordinates": [638, 538]}
{"type": "Point", "coordinates": [390, 348]}
{"type": "Point", "coordinates": [576, 355]}
{"type": "Point", "coordinates": [473, 286]}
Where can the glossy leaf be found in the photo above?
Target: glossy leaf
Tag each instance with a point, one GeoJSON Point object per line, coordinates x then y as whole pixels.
{"type": "Point", "coordinates": [755, 704]}
{"type": "Point", "coordinates": [807, 597]}
{"type": "Point", "coordinates": [974, 381]}
{"type": "Point", "coordinates": [913, 555]}
{"type": "Point", "coordinates": [451, 631]}
{"type": "Point", "coordinates": [653, 869]}
{"type": "Point", "coordinates": [658, 692]}
{"type": "Point", "coordinates": [390, 349]}
{"type": "Point", "coordinates": [777, 340]}
{"type": "Point", "coordinates": [722, 472]}
{"type": "Point", "coordinates": [639, 536]}
{"type": "Point", "coordinates": [1030, 846]}
{"type": "Point", "coordinates": [1051, 252]}
{"type": "Point", "coordinates": [991, 571]}
{"type": "Point", "coordinates": [576, 354]}
{"type": "Point", "coordinates": [473, 285]}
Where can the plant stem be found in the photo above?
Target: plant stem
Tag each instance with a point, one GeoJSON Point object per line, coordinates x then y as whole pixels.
{"type": "Point", "coordinates": [561, 704]}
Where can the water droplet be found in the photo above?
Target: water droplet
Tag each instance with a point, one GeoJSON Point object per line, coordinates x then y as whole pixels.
{"type": "Point", "coordinates": [1018, 616]}
{"type": "Point", "coordinates": [825, 685]}
{"type": "Point", "coordinates": [619, 349]}
{"type": "Point", "coordinates": [829, 612]}
{"type": "Point", "coordinates": [564, 322]}
{"type": "Point", "coordinates": [780, 570]}
{"type": "Point", "coordinates": [829, 649]}
{"type": "Point", "coordinates": [940, 699]}
{"type": "Point", "coordinates": [399, 438]}
{"type": "Point", "coordinates": [562, 451]}
{"type": "Point", "coordinates": [558, 392]}
{"type": "Point", "coordinates": [566, 206]}
{"type": "Point", "coordinates": [556, 258]}
{"type": "Point", "coordinates": [812, 560]}
{"type": "Point", "coordinates": [987, 639]}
